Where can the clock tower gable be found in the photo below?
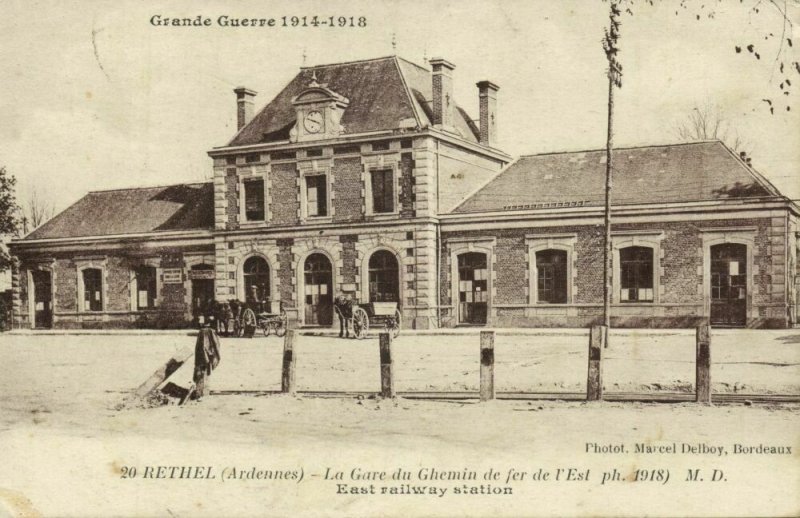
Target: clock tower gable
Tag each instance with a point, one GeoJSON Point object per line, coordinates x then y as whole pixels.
{"type": "Point", "coordinates": [318, 112]}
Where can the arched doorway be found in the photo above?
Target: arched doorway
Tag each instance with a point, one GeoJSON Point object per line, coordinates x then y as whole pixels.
{"type": "Point", "coordinates": [256, 280]}
{"type": "Point", "coordinates": [318, 286]}
{"type": "Point", "coordinates": [473, 288]}
{"type": "Point", "coordinates": [729, 284]}
{"type": "Point", "coordinates": [384, 275]}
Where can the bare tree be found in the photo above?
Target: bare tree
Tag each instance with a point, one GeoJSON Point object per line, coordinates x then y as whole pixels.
{"type": "Point", "coordinates": [778, 15]}
{"type": "Point", "coordinates": [708, 122]}
{"type": "Point", "coordinates": [37, 209]}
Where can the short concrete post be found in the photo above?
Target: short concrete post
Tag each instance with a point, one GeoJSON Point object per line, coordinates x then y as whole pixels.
{"type": "Point", "coordinates": [703, 366]}
{"type": "Point", "coordinates": [594, 381]}
{"type": "Point", "coordinates": [487, 365]}
{"type": "Point", "coordinates": [387, 365]}
{"type": "Point", "coordinates": [287, 374]}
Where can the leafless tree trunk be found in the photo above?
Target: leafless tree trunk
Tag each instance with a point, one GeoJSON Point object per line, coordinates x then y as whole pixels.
{"type": "Point", "coordinates": [611, 48]}
{"type": "Point", "coordinates": [37, 209]}
{"type": "Point", "coordinates": [607, 251]}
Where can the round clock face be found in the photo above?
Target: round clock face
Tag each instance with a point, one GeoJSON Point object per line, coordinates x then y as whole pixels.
{"type": "Point", "coordinates": [313, 122]}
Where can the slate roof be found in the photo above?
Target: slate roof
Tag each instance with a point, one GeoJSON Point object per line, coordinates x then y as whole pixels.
{"type": "Point", "coordinates": [382, 93]}
{"type": "Point", "coordinates": [132, 211]}
{"type": "Point", "coordinates": [698, 171]}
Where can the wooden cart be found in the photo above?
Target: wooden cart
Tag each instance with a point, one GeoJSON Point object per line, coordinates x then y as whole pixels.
{"type": "Point", "coordinates": [272, 323]}
{"type": "Point", "coordinates": [376, 314]}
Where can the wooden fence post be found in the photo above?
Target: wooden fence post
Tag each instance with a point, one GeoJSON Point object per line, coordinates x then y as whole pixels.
{"type": "Point", "coordinates": [287, 375]}
{"type": "Point", "coordinates": [703, 367]}
{"type": "Point", "coordinates": [487, 365]}
{"type": "Point", "coordinates": [387, 365]}
{"type": "Point", "coordinates": [594, 382]}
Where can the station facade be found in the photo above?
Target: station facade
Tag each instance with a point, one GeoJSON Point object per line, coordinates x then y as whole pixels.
{"type": "Point", "coordinates": [368, 178]}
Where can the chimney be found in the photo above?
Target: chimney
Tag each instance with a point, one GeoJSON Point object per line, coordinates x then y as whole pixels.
{"type": "Point", "coordinates": [244, 106]}
{"type": "Point", "coordinates": [443, 105]}
{"type": "Point", "coordinates": [487, 97]}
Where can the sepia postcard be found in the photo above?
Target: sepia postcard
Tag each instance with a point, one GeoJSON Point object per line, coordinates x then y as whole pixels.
{"type": "Point", "coordinates": [400, 258]}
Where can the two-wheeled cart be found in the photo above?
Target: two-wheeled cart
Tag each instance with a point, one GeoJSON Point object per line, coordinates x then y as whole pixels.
{"type": "Point", "coordinates": [376, 314]}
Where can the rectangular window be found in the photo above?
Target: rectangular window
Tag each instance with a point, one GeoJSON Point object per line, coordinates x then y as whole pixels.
{"type": "Point", "coordinates": [382, 191]}
{"type": "Point", "coordinates": [636, 274]}
{"type": "Point", "coordinates": [145, 287]}
{"type": "Point", "coordinates": [551, 282]}
{"type": "Point", "coordinates": [252, 158]}
{"type": "Point", "coordinates": [283, 155]}
{"type": "Point", "coordinates": [345, 150]}
{"type": "Point", "coordinates": [254, 200]}
{"type": "Point", "coordinates": [92, 289]}
{"type": "Point", "coordinates": [316, 196]}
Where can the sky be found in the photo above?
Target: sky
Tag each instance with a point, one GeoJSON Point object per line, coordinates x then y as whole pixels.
{"type": "Point", "coordinates": [96, 97]}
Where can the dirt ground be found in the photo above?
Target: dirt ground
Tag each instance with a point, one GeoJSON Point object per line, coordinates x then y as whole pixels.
{"type": "Point", "coordinates": [66, 448]}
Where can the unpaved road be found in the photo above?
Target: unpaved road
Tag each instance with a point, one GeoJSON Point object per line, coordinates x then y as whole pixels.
{"type": "Point", "coordinates": [65, 448]}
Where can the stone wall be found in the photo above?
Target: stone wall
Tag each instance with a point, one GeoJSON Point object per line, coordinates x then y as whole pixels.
{"type": "Point", "coordinates": [681, 300]}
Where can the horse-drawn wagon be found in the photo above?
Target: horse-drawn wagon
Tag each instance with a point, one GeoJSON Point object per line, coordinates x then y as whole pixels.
{"type": "Point", "coordinates": [375, 314]}
{"type": "Point", "coordinates": [240, 319]}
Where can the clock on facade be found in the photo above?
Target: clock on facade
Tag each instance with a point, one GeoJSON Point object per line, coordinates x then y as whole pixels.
{"type": "Point", "coordinates": [313, 122]}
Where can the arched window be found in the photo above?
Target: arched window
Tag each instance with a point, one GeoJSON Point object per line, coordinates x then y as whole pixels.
{"type": "Point", "coordinates": [636, 274]}
{"type": "Point", "coordinates": [92, 289]}
{"type": "Point", "coordinates": [383, 277]}
{"type": "Point", "coordinates": [551, 276]}
{"type": "Point", "coordinates": [256, 280]}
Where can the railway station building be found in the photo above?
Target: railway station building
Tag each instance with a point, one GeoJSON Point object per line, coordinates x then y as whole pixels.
{"type": "Point", "coordinates": [368, 178]}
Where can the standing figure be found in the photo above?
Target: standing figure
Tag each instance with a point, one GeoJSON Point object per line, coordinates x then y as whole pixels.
{"type": "Point", "coordinates": [344, 309]}
{"type": "Point", "coordinates": [206, 359]}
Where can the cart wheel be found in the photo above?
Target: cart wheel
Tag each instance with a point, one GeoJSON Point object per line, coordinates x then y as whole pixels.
{"type": "Point", "coordinates": [393, 325]}
{"type": "Point", "coordinates": [267, 328]}
{"type": "Point", "coordinates": [360, 323]}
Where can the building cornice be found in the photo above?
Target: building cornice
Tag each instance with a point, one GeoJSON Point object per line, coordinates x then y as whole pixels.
{"type": "Point", "coordinates": [156, 239]}
{"type": "Point", "coordinates": [624, 210]}
{"type": "Point", "coordinates": [625, 215]}
{"type": "Point", "coordinates": [284, 145]}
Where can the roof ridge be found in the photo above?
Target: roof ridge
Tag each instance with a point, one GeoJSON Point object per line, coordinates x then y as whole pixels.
{"type": "Point", "coordinates": [757, 175]}
{"type": "Point", "coordinates": [643, 146]}
{"type": "Point", "coordinates": [348, 62]}
{"type": "Point", "coordinates": [411, 101]}
{"type": "Point", "coordinates": [412, 63]}
{"type": "Point", "coordinates": [149, 187]}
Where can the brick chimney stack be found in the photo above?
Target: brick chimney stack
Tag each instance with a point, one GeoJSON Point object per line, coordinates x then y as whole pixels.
{"type": "Point", "coordinates": [443, 104]}
{"type": "Point", "coordinates": [487, 97]}
{"type": "Point", "coordinates": [244, 106]}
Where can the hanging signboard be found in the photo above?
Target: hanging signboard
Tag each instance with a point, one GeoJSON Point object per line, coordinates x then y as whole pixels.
{"type": "Point", "coordinates": [173, 275]}
{"type": "Point", "coordinates": [201, 274]}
